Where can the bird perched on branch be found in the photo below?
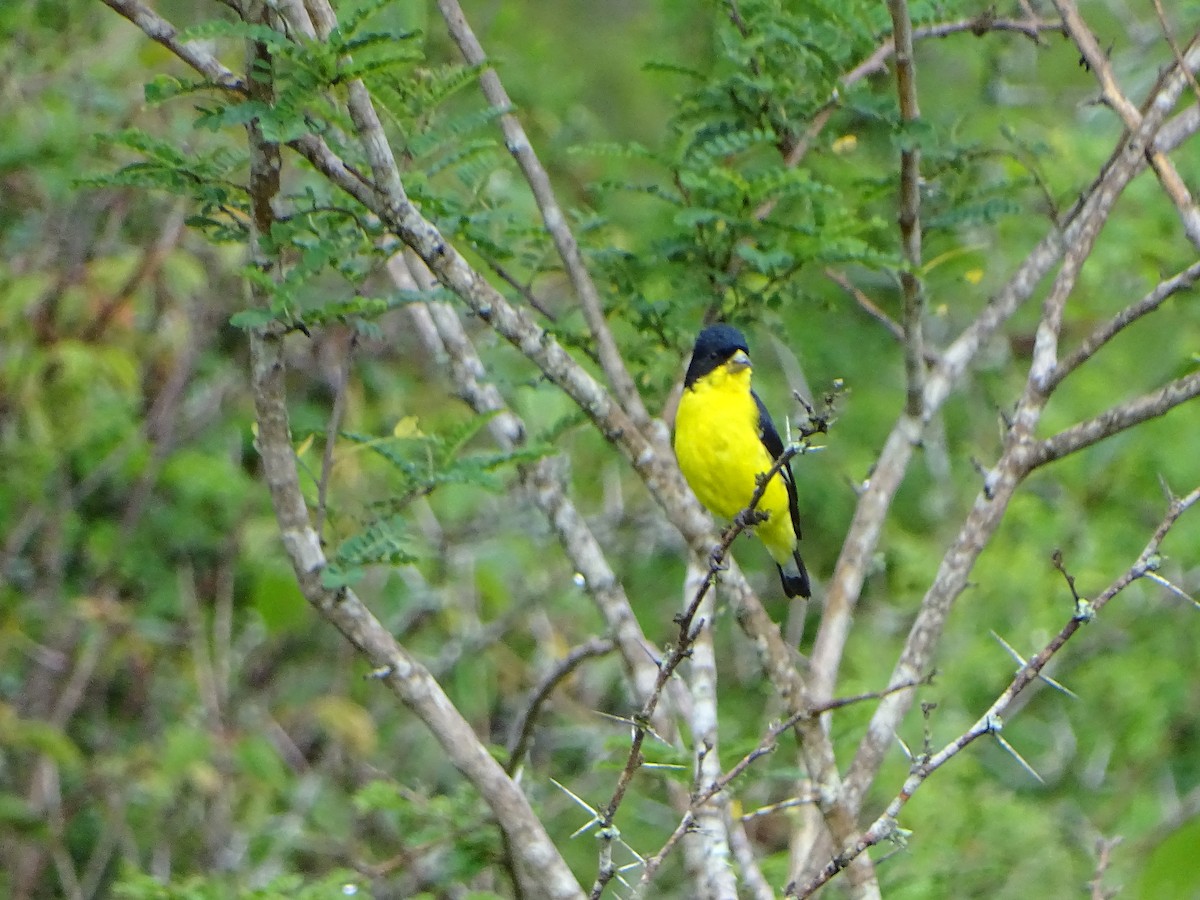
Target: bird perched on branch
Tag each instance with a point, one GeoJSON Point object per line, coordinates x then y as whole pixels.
{"type": "Point", "coordinates": [725, 440]}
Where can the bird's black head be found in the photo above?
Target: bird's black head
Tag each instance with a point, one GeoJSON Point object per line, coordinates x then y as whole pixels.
{"type": "Point", "coordinates": [714, 346]}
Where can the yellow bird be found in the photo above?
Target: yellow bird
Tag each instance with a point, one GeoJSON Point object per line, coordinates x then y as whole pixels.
{"type": "Point", "coordinates": [725, 439]}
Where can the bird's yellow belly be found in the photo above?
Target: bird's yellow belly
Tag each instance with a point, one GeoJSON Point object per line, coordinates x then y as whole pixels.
{"type": "Point", "coordinates": [721, 455]}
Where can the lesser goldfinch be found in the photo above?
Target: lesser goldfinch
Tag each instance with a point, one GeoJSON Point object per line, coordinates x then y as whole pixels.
{"type": "Point", "coordinates": [725, 439]}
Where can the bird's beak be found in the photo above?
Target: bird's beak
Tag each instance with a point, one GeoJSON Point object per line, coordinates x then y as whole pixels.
{"type": "Point", "coordinates": [738, 362]}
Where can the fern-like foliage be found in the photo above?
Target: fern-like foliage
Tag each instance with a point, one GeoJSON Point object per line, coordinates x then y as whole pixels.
{"type": "Point", "coordinates": [417, 464]}
{"type": "Point", "coordinates": [330, 250]}
{"type": "Point", "coordinates": [758, 183]}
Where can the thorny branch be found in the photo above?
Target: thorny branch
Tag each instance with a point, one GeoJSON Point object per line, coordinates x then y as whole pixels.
{"type": "Point", "coordinates": [688, 630]}
{"type": "Point", "coordinates": [766, 746]}
{"type": "Point", "coordinates": [523, 732]}
{"type": "Point", "coordinates": [992, 721]}
{"type": "Point", "coordinates": [1080, 228]}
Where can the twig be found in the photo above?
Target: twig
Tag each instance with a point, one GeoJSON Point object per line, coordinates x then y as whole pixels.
{"type": "Point", "coordinates": [555, 220]}
{"type": "Point", "coordinates": [1117, 418]}
{"type": "Point", "coordinates": [1176, 52]}
{"type": "Point", "coordinates": [1097, 60]}
{"type": "Point", "coordinates": [1104, 849]}
{"type": "Point", "coordinates": [1162, 292]}
{"type": "Point", "coordinates": [1080, 224]}
{"type": "Point", "coordinates": [910, 209]}
{"type": "Point", "coordinates": [894, 328]}
{"type": "Point", "coordinates": [765, 747]}
{"type": "Point", "coordinates": [688, 630]}
{"type": "Point", "coordinates": [562, 670]}
{"type": "Point", "coordinates": [1031, 27]}
{"type": "Point", "coordinates": [163, 32]}
{"type": "Point", "coordinates": [885, 826]}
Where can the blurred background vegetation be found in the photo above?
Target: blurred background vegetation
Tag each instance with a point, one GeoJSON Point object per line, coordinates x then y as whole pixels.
{"type": "Point", "coordinates": [171, 713]}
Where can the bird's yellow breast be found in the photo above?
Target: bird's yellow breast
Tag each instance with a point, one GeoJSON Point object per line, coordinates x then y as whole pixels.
{"type": "Point", "coordinates": [720, 452]}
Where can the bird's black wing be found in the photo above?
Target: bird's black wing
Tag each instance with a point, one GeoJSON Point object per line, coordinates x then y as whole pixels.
{"type": "Point", "coordinates": [774, 444]}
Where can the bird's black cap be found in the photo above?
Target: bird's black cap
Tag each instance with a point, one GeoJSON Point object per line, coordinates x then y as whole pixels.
{"type": "Point", "coordinates": [714, 345]}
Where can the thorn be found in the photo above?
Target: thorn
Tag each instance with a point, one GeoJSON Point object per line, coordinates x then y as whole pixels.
{"type": "Point", "coordinates": [1021, 662]}
{"type": "Point", "coordinates": [1011, 652]}
{"type": "Point", "coordinates": [1166, 489]}
{"type": "Point", "coordinates": [583, 828]}
{"type": "Point", "coordinates": [1017, 756]}
{"type": "Point", "coordinates": [1058, 686]}
{"type": "Point", "coordinates": [1173, 588]}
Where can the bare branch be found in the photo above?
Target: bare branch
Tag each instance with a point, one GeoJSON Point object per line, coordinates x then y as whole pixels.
{"type": "Point", "coordinates": [885, 826]}
{"type": "Point", "coordinates": [894, 328]}
{"type": "Point", "coordinates": [765, 747]}
{"type": "Point", "coordinates": [552, 214]}
{"type": "Point", "coordinates": [1162, 292]}
{"type": "Point", "coordinates": [1032, 28]}
{"type": "Point", "coordinates": [565, 667]}
{"type": "Point", "coordinates": [1104, 849]}
{"type": "Point", "coordinates": [160, 30]}
{"type": "Point", "coordinates": [1118, 418]}
{"type": "Point", "coordinates": [1175, 51]}
{"type": "Point", "coordinates": [910, 209]}
{"type": "Point", "coordinates": [1079, 226]}
{"type": "Point", "coordinates": [1097, 61]}
{"type": "Point", "coordinates": [710, 834]}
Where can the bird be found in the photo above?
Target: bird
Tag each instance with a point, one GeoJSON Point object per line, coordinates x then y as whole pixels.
{"type": "Point", "coordinates": [725, 439]}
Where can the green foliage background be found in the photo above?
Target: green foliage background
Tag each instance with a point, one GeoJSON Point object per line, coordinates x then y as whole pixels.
{"type": "Point", "coordinates": [168, 705]}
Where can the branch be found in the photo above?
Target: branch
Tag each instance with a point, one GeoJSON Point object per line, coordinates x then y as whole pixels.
{"type": "Point", "coordinates": [991, 722]}
{"type": "Point", "coordinates": [910, 208]}
{"type": "Point", "coordinates": [845, 585]}
{"type": "Point", "coordinates": [523, 732]}
{"type": "Point", "coordinates": [1116, 419]}
{"type": "Point", "coordinates": [1174, 45]}
{"type": "Point", "coordinates": [545, 483]}
{"type": "Point", "coordinates": [689, 629]}
{"type": "Point", "coordinates": [555, 220]}
{"type": "Point", "coordinates": [710, 834]}
{"type": "Point", "coordinates": [766, 746]}
{"type": "Point", "coordinates": [163, 32]}
{"type": "Point", "coordinates": [1097, 62]}
{"type": "Point", "coordinates": [1031, 28]}
{"type": "Point", "coordinates": [1162, 292]}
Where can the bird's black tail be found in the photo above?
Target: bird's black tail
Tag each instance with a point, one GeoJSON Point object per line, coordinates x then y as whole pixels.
{"type": "Point", "coordinates": [795, 577]}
